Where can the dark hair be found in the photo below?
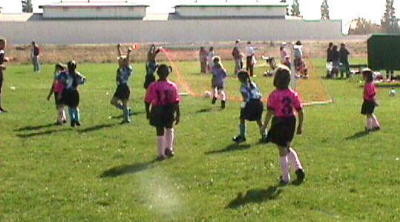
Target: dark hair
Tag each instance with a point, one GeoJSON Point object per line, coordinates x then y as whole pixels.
{"type": "Point", "coordinates": [334, 48]}
{"type": "Point", "coordinates": [245, 76]}
{"type": "Point", "coordinates": [60, 66]}
{"type": "Point", "coordinates": [72, 71]}
{"type": "Point", "coordinates": [216, 59]}
{"type": "Point", "coordinates": [368, 75]}
{"type": "Point", "coordinates": [342, 45]}
{"type": "Point", "coordinates": [237, 41]}
{"type": "Point", "coordinates": [248, 42]}
{"type": "Point", "coordinates": [282, 78]}
{"type": "Point", "coordinates": [298, 43]}
{"type": "Point", "coordinates": [330, 44]}
{"type": "Point", "coordinates": [163, 70]}
{"type": "Point", "coordinates": [211, 48]}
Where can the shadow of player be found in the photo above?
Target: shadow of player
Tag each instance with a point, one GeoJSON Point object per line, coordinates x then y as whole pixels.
{"type": "Point", "coordinates": [255, 196]}
{"type": "Point", "coordinates": [128, 169]}
{"type": "Point", "coordinates": [230, 148]}
{"type": "Point", "coordinates": [27, 128]}
{"type": "Point", "coordinates": [357, 135]}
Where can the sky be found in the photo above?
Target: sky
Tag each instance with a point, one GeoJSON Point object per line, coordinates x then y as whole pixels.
{"type": "Point", "coordinates": [345, 10]}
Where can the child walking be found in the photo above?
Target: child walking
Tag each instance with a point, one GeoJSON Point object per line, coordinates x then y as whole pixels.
{"type": "Point", "coordinates": [71, 80]}
{"type": "Point", "coordinates": [251, 108]}
{"type": "Point", "coordinates": [121, 96]}
{"type": "Point", "coordinates": [283, 103]}
{"type": "Point", "coordinates": [369, 103]}
{"type": "Point", "coordinates": [218, 81]}
{"type": "Point", "coordinates": [162, 109]}
{"type": "Point", "coordinates": [57, 89]}
{"type": "Point", "coordinates": [3, 60]}
{"type": "Point", "coordinates": [151, 65]}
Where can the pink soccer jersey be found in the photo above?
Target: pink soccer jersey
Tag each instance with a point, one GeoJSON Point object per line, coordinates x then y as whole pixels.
{"type": "Point", "coordinates": [161, 93]}
{"type": "Point", "coordinates": [369, 91]}
{"type": "Point", "coordinates": [282, 102]}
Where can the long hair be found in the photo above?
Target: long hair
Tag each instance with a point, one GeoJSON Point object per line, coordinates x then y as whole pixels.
{"type": "Point", "coordinates": [282, 78]}
{"type": "Point", "coordinates": [246, 77]}
{"type": "Point", "coordinates": [163, 71]}
{"type": "Point", "coordinates": [368, 75]}
{"type": "Point", "coordinates": [72, 71]}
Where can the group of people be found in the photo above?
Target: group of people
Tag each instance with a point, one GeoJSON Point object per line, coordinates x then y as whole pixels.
{"type": "Point", "coordinates": [163, 110]}
{"type": "Point", "coordinates": [337, 61]}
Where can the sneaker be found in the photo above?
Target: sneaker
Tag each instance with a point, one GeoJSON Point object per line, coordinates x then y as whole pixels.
{"type": "Point", "coordinates": [72, 123]}
{"type": "Point", "coordinates": [214, 99]}
{"type": "Point", "coordinates": [283, 182]}
{"type": "Point", "coordinates": [376, 128]}
{"type": "Point", "coordinates": [64, 121]}
{"type": "Point", "coordinates": [169, 152]}
{"type": "Point", "coordinates": [300, 176]}
{"type": "Point", "coordinates": [223, 104]}
{"type": "Point", "coordinates": [125, 121]}
{"type": "Point", "coordinates": [2, 110]}
{"type": "Point", "coordinates": [239, 139]}
{"type": "Point", "coordinates": [77, 123]}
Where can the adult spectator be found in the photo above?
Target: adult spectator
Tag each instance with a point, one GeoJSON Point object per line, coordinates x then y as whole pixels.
{"type": "Point", "coordinates": [35, 54]}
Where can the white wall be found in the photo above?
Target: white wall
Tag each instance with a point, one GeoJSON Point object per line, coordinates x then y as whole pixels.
{"type": "Point", "coordinates": [173, 31]}
{"type": "Point", "coordinates": [94, 12]}
{"type": "Point", "coordinates": [231, 11]}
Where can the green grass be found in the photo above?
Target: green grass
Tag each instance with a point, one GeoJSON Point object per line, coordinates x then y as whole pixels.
{"type": "Point", "coordinates": [104, 171]}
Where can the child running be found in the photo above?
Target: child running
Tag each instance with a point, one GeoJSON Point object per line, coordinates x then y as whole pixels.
{"type": "Point", "coordinates": [218, 81]}
{"type": "Point", "coordinates": [122, 93]}
{"type": "Point", "coordinates": [162, 109]}
{"type": "Point", "coordinates": [3, 60]}
{"type": "Point", "coordinates": [369, 103]}
{"type": "Point", "coordinates": [57, 88]}
{"type": "Point", "coordinates": [282, 105]}
{"type": "Point", "coordinates": [70, 96]}
{"type": "Point", "coordinates": [251, 108]}
{"type": "Point", "coordinates": [151, 65]}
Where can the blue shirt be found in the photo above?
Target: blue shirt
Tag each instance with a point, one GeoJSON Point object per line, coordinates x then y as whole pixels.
{"type": "Point", "coordinates": [68, 80]}
{"type": "Point", "coordinates": [251, 91]}
{"type": "Point", "coordinates": [123, 75]}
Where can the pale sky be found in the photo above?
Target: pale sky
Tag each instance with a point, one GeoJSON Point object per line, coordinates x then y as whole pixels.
{"type": "Point", "coordinates": [339, 9]}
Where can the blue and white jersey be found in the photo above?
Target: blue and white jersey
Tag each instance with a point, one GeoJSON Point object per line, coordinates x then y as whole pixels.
{"type": "Point", "coordinates": [251, 91]}
{"type": "Point", "coordinates": [68, 80]}
{"type": "Point", "coordinates": [123, 75]}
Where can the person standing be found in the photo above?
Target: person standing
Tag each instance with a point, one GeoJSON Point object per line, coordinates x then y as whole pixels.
{"type": "Point", "coordinates": [344, 59]}
{"type": "Point", "coordinates": [250, 59]}
{"type": "Point", "coordinates": [203, 59]}
{"type": "Point", "coordinates": [237, 58]}
{"type": "Point", "coordinates": [151, 65]}
{"type": "Point", "coordinates": [3, 67]}
{"type": "Point", "coordinates": [35, 54]}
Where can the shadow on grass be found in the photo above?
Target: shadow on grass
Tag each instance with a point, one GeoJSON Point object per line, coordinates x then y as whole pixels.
{"type": "Point", "coordinates": [205, 110]}
{"type": "Point", "coordinates": [98, 127]}
{"type": "Point", "coordinates": [128, 169]}
{"type": "Point", "coordinates": [47, 132]}
{"type": "Point", "coordinates": [231, 148]}
{"type": "Point", "coordinates": [255, 196]}
{"type": "Point", "coordinates": [133, 114]}
{"type": "Point", "coordinates": [27, 128]}
{"type": "Point", "coordinates": [357, 135]}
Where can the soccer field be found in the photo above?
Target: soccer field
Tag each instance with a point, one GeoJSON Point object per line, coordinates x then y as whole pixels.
{"type": "Point", "coordinates": [105, 171]}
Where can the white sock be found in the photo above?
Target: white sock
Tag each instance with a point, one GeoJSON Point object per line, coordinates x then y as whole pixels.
{"type": "Point", "coordinates": [161, 146]}
{"type": "Point", "coordinates": [294, 159]}
{"type": "Point", "coordinates": [375, 122]}
{"type": "Point", "coordinates": [369, 123]}
{"type": "Point", "coordinates": [169, 138]}
{"type": "Point", "coordinates": [285, 168]}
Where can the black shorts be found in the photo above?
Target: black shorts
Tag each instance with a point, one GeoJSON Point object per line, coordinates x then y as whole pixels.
{"type": "Point", "coordinates": [151, 68]}
{"type": "Point", "coordinates": [368, 107]}
{"type": "Point", "coordinates": [57, 101]}
{"type": "Point", "coordinates": [71, 98]}
{"type": "Point", "coordinates": [252, 111]}
{"type": "Point", "coordinates": [282, 131]}
{"type": "Point", "coordinates": [162, 116]}
{"type": "Point", "coordinates": [122, 92]}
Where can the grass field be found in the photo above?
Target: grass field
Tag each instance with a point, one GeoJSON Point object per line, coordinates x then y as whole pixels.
{"type": "Point", "coordinates": [104, 171]}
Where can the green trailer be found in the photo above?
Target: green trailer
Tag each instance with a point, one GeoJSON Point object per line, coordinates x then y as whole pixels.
{"type": "Point", "coordinates": [384, 52]}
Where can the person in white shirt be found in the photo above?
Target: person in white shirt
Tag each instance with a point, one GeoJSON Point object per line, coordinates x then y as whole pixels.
{"type": "Point", "coordinates": [250, 58]}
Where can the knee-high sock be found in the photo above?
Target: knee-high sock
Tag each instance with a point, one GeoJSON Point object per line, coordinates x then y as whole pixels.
{"type": "Point", "coordinates": [161, 145]}
{"type": "Point", "coordinates": [64, 116]}
{"type": "Point", "coordinates": [294, 159]}
{"type": "Point", "coordinates": [242, 130]}
{"type": "Point", "coordinates": [71, 112]}
{"type": "Point", "coordinates": [285, 168]}
{"type": "Point", "coordinates": [126, 113]}
{"type": "Point", "coordinates": [169, 138]}
{"type": "Point", "coordinates": [77, 114]}
{"type": "Point", "coordinates": [375, 122]}
{"type": "Point", "coordinates": [369, 123]}
{"type": "Point", "coordinates": [61, 114]}
{"type": "Point", "coordinates": [222, 95]}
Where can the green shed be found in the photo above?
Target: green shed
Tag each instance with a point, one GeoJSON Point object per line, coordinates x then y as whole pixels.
{"type": "Point", "coordinates": [384, 52]}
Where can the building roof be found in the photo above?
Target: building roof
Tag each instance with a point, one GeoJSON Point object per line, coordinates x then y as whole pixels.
{"type": "Point", "coordinates": [92, 4]}
{"type": "Point", "coordinates": [233, 4]}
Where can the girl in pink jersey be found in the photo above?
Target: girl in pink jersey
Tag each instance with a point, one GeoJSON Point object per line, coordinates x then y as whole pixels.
{"type": "Point", "coordinates": [57, 89]}
{"type": "Point", "coordinates": [283, 104]}
{"type": "Point", "coordinates": [162, 109]}
{"type": "Point", "coordinates": [369, 103]}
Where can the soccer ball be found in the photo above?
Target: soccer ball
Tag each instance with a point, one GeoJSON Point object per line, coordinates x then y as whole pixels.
{"type": "Point", "coordinates": [207, 94]}
{"type": "Point", "coordinates": [392, 92]}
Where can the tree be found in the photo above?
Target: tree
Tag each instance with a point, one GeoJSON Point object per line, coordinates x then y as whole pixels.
{"type": "Point", "coordinates": [325, 10]}
{"type": "Point", "coordinates": [27, 6]}
{"type": "Point", "coordinates": [389, 21]}
{"type": "Point", "coordinates": [295, 8]}
{"type": "Point", "coordinates": [362, 26]}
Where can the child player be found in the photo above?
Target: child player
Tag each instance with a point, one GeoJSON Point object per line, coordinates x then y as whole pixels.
{"type": "Point", "coordinates": [3, 60]}
{"type": "Point", "coordinates": [251, 108]}
{"type": "Point", "coordinates": [151, 65]}
{"type": "Point", "coordinates": [71, 80]}
{"type": "Point", "coordinates": [57, 88]}
{"type": "Point", "coordinates": [218, 81]}
{"type": "Point", "coordinates": [122, 93]}
{"type": "Point", "coordinates": [283, 103]}
{"type": "Point", "coordinates": [162, 109]}
{"type": "Point", "coordinates": [369, 103]}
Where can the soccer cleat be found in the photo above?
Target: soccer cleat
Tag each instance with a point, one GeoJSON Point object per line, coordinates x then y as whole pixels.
{"type": "Point", "coordinates": [239, 139]}
{"type": "Point", "coordinates": [72, 123]}
{"type": "Point", "coordinates": [2, 110]}
{"type": "Point", "coordinates": [376, 128]}
{"type": "Point", "coordinates": [77, 123]}
{"type": "Point", "coordinates": [223, 104]}
{"type": "Point", "coordinates": [214, 99]}
{"type": "Point", "coordinates": [169, 152]}
{"type": "Point", "coordinates": [282, 182]}
{"type": "Point", "coordinates": [300, 176]}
